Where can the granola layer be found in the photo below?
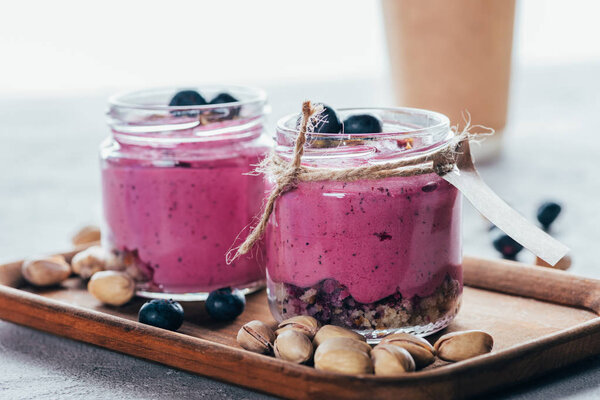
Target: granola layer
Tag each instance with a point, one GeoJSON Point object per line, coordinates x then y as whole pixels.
{"type": "Point", "coordinates": [331, 303]}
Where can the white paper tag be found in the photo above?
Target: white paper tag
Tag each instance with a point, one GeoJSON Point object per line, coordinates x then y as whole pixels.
{"type": "Point", "coordinates": [466, 179]}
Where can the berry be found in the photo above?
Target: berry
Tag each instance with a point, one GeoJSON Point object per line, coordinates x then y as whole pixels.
{"type": "Point", "coordinates": [187, 98]}
{"type": "Point", "coordinates": [329, 122]}
{"type": "Point", "coordinates": [547, 213]}
{"type": "Point", "coordinates": [166, 314]}
{"type": "Point", "coordinates": [506, 245]}
{"type": "Point", "coordinates": [222, 98]}
{"type": "Point", "coordinates": [362, 123]}
{"type": "Point", "coordinates": [225, 304]}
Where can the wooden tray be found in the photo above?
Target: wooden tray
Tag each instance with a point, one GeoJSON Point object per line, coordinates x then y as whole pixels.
{"type": "Point", "coordinates": [541, 320]}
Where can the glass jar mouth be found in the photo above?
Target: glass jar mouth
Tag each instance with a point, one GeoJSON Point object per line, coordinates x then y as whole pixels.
{"type": "Point", "coordinates": [158, 98]}
{"type": "Point", "coordinates": [406, 131]}
{"type": "Point", "coordinates": [146, 116]}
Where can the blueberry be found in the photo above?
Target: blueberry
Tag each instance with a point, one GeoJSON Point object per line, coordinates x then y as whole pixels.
{"type": "Point", "coordinates": [547, 213]}
{"type": "Point", "coordinates": [166, 314]}
{"type": "Point", "coordinates": [506, 245]}
{"type": "Point", "coordinates": [222, 98]}
{"type": "Point", "coordinates": [362, 123]}
{"type": "Point", "coordinates": [329, 122]}
{"type": "Point", "coordinates": [225, 304]}
{"type": "Point", "coordinates": [187, 98]}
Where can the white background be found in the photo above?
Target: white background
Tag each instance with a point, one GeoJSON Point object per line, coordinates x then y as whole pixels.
{"type": "Point", "coordinates": [68, 47]}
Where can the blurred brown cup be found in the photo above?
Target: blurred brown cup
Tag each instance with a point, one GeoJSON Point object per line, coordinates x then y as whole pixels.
{"type": "Point", "coordinates": [453, 56]}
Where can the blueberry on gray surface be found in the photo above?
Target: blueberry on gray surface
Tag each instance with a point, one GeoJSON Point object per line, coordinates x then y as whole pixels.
{"type": "Point", "coordinates": [547, 213]}
{"type": "Point", "coordinates": [505, 245]}
{"type": "Point", "coordinates": [166, 314]}
{"type": "Point", "coordinates": [225, 304]}
{"type": "Point", "coordinates": [187, 98]}
{"type": "Point", "coordinates": [223, 98]}
{"type": "Point", "coordinates": [362, 123]}
{"type": "Point", "coordinates": [329, 122]}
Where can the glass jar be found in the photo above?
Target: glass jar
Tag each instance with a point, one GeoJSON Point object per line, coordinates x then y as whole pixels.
{"type": "Point", "coordinates": [175, 193]}
{"type": "Point", "coordinates": [376, 256]}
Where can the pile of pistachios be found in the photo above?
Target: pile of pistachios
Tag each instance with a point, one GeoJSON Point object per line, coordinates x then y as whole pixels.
{"type": "Point", "coordinates": [107, 281]}
{"type": "Point", "coordinates": [332, 348]}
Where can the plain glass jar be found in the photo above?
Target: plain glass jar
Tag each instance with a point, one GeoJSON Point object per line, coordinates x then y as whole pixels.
{"type": "Point", "coordinates": [175, 193]}
{"type": "Point", "coordinates": [376, 256]}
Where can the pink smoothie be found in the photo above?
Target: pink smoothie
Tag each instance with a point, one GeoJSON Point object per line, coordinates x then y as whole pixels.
{"type": "Point", "coordinates": [377, 238]}
{"type": "Point", "coordinates": [180, 217]}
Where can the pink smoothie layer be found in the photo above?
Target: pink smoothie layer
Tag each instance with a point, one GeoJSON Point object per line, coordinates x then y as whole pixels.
{"type": "Point", "coordinates": [375, 237]}
{"type": "Point", "coordinates": [182, 219]}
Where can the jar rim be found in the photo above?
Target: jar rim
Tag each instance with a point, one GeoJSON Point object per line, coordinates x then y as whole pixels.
{"type": "Point", "coordinates": [406, 132]}
{"type": "Point", "coordinates": [442, 123]}
{"type": "Point", "coordinates": [125, 99]}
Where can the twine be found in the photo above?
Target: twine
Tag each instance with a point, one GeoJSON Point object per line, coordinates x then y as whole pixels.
{"type": "Point", "coordinates": [288, 174]}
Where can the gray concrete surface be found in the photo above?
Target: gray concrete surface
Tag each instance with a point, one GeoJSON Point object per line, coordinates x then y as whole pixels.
{"type": "Point", "coordinates": [49, 185]}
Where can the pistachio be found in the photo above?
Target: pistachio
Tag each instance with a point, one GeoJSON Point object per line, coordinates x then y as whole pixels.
{"type": "Point", "coordinates": [344, 361]}
{"type": "Point", "coordinates": [391, 360]}
{"type": "Point", "coordinates": [341, 343]}
{"type": "Point", "coordinates": [89, 261]}
{"type": "Point", "coordinates": [458, 346]}
{"type": "Point", "coordinates": [87, 234]}
{"type": "Point", "coordinates": [46, 271]}
{"type": "Point", "coordinates": [293, 346]}
{"type": "Point", "coordinates": [256, 336]}
{"type": "Point", "coordinates": [112, 287]}
{"type": "Point", "coordinates": [11, 274]}
{"type": "Point", "coordinates": [301, 323]}
{"type": "Point", "coordinates": [330, 331]}
{"type": "Point", "coordinates": [420, 349]}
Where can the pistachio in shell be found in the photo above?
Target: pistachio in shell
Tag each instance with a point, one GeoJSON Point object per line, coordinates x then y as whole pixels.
{"type": "Point", "coordinates": [112, 287]}
{"type": "Point", "coordinates": [458, 346]}
{"type": "Point", "coordinates": [294, 346]}
{"type": "Point", "coordinates": [420, 349]}
{"type": "Point", "coordinates": [336, 343]}
{"type": "Point", "coordinates": [89, 261]}
{"type": "Point", "coordinates": [45, 271]}
{"type": "Point", "coordinates": [349, 361]}
{"type": "Point", "coordinates": [257, 337]}
{"type": "Point", "coordinates": [330, 331]}
{"type": "Point", "coordinates": [302, 323]}
{"type": "Point", "coordinates": [87, 234]}
{"type": "Point", "coordinates": [391, 360]}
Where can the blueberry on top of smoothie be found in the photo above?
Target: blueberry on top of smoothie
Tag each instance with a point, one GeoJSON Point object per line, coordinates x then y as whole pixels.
{"type": "Point", "coordinates": [547, 213]}
{"type": "Point", "coordinates": [328, 122]}
{"type": "Point", "coordinates": [166, 314]}
{"type": "Point", "coordinates": [222, 98]}
{"type": "Point", "coordinates": [363, 123]}
{"type": "Point", "coordinates": [187, 98]}
{"type": "Point", "coordinates": [225, 304]}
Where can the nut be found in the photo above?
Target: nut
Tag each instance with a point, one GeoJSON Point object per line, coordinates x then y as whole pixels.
{"type": "Point", "coordinates": [391, 360]}
{"type": "Point", "coordinates": [341, 343]}
{"type": "Point", "coordinates": [458, 346]}
{"type": "Point", "coordinates": [256, 336]}
{"type": "Point", "coordinates": [294, 346]}
{"type": "Point", "coordinates": [11, 274]}
{"type": "Point", "coordinates": [302, 323]}
{"type": "Point", "coordinates": [46, 271]}
{"type": "Point", "coordinates": [420, 349]}
{"type": "Point", "coordinates": [330, 331]}
{"type": "Point", "coordinates": [87, 234]}
{"type": "Point", "coordinates": [112, 287]}
{"type": "Point", "coordinates": [89, 261]}
{"type": "Point", "coordinates": [344, 361]}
